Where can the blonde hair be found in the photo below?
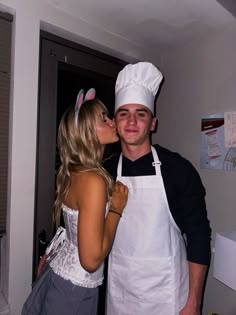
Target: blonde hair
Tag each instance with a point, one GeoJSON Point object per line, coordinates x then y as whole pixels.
{"type": "Point", "coordinates": [79, 149]}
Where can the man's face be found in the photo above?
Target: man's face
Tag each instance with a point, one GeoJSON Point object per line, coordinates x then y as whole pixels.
{"type": "Point", "coordinates": [134, 123]}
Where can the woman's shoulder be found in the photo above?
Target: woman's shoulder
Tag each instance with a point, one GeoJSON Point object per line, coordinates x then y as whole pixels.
{"type": "Point", "coordinates": [84, 185]}
{"type": "Point", "coordinates": [88, 177]}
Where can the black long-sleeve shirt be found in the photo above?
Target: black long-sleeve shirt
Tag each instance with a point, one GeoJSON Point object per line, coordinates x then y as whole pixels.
{"type": "Point", "coordinates": [185, 194]}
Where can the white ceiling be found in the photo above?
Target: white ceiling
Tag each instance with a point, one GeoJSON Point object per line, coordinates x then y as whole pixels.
{"type": "Point", "coordinates": [151, 24]}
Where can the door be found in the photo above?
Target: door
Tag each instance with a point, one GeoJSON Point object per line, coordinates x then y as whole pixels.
{"type": "Point", "coordinates": [65, 68]}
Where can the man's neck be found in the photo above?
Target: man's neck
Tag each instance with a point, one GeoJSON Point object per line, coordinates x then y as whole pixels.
{"type": "Point", "coordinates": [134, 152]}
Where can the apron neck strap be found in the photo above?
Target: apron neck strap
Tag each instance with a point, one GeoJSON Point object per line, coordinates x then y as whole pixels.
{"type": "Point", "coordinates": [156, 163]}
{"type": "Point", "coordinates": [119, 168]}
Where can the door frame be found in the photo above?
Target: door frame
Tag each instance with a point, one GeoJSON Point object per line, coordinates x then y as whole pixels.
{"type": "Point", "coordinates": [55, 50]}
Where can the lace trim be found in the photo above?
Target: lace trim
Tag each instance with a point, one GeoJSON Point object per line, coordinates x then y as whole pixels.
{"type": "Point", "coordinates": [67, 209]}
{"type": "Point", "coordinates": [83, 284]}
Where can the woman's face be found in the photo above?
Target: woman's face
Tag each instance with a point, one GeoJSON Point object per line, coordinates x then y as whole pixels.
{"type": "Point", "coordinates": [105, 128]}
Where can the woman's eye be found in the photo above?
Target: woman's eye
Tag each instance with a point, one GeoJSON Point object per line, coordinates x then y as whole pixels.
{"type": "Point", "coordinates": [103, 117]}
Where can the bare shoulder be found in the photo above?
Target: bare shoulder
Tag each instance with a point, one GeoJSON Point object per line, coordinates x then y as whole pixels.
{"type": "Point", "coordinates": [86, 185]}
{"type": "Point", "coordinates": [90, 179]}
{"type": "Point", "coordinates": [89, 187]}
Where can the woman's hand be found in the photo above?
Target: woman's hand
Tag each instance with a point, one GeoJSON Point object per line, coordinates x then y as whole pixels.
{"type": "Point", "coordinates": [119, 197]}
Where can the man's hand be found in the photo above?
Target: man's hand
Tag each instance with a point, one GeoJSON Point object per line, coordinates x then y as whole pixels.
{"type": "Point", "coordinates": [190, 310]}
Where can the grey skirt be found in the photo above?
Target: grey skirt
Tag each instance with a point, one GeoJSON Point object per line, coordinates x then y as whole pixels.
{"type": "Point", "coordinates": [53, 295]}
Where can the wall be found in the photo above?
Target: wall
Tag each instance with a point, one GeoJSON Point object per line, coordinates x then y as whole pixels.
{"type": "Point", "coordinates": [23, 115]}
{"type": "Point", "coordinates": [200, 79]}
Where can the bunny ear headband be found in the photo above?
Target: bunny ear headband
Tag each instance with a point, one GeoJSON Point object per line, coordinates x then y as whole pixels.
{"type": "Point", "coordinates": [90, 95]}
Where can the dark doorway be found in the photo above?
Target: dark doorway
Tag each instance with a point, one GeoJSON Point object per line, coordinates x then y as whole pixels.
{"type": "Point", "coordinates": [65, 68]}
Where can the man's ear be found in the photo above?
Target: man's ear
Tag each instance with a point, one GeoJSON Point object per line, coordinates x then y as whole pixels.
{"type": "Point", "coordinates": [153, 124]}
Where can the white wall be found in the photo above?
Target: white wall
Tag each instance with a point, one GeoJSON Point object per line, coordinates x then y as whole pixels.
{"type": "Point", "coordinates": [22, 155]}
{"type": "Point", "coordinates": [199, 80]}
{"type": "Point", "coordinates": [30, 15]}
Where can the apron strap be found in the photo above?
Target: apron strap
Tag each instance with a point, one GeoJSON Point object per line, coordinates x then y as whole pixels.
{"type": "Point", "coordinates": [119, 168]}
{"type": "Point", "coordinates": [156, 163]}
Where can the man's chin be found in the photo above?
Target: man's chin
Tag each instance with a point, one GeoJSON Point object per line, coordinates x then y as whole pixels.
{"type": "Point", "coordinates": [130, 142]}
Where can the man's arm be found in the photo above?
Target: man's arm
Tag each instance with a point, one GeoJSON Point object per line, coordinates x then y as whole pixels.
{"type": "Point", "coordinates": [198, 232]}
{"type": "Point", "coordinates": [191, 216]}
{"type": "Point", "coordinates": [197, 274]}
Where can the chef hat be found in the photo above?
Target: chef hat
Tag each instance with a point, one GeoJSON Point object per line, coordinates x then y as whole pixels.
{"type": "Point", "coordinates": [137, 84]}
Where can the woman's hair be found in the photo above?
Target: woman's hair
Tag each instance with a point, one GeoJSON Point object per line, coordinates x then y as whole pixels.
{"type": "Point", "coordinates": [79, 149]}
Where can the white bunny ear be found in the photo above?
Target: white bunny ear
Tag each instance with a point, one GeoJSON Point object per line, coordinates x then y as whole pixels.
{"type": "Point", "coordinates": [90, 95]}
{"type": "Point", "coordinates": [78, 103]}
{"type": "Point", "coordinates": [79, 99]}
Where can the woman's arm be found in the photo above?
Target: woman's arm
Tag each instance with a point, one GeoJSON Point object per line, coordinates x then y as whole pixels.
{"type": "Point", "coordinates": [95, 232]}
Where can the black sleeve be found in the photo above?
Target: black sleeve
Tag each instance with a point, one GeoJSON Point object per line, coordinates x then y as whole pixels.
{"type": "Point", "coordinates": [192, 215]}
{"type": "Point", "coordinates": [186, 197]}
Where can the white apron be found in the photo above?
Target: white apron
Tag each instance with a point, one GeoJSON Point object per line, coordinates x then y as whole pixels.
{"type": "Point", "coordinates": [148, 269]}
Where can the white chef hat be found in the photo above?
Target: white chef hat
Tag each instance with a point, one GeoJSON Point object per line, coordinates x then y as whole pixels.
{"type": "Point", "coordinates": [137, 84]}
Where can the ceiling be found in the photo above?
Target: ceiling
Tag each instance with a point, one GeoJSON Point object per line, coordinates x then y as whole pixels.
{"type": "Point", "coordinates": [153, 24]}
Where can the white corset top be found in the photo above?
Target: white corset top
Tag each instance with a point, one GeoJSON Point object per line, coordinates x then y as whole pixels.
{"type": "Point", "coordinates": [66, 262]}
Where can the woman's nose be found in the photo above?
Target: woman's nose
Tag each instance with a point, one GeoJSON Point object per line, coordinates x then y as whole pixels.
{"type": "Point", "coordinates": [111, 123]}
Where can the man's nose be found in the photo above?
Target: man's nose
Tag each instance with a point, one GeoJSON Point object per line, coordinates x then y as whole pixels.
{"type": "Point", "coordinates": [132, 119]}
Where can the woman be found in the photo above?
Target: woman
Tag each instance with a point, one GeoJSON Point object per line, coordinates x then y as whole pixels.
{"type": "Point", "coordinates": [92, 206]}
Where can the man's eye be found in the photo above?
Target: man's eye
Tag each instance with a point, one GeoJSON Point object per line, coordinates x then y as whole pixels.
{"type": "Point", "coordinates": [141, 114]}
{"type": "Point", "coordinates": [122, 114]}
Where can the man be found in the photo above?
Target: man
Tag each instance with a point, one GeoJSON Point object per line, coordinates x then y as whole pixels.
{"type": "Point", "coordinates": [152, 270]}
